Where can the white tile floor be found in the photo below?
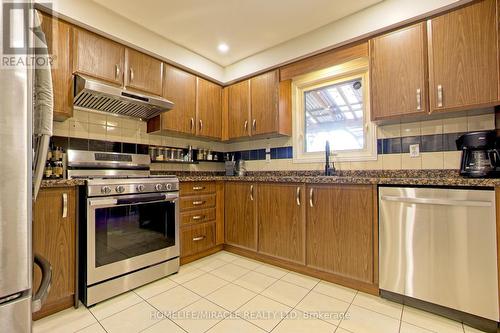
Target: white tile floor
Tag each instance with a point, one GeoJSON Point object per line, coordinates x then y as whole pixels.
{"type": "Point", "coordinates": [228, 293]}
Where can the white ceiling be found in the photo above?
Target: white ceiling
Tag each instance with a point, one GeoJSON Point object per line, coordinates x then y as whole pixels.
{"type": "Point", "coordinates": [247, 26]}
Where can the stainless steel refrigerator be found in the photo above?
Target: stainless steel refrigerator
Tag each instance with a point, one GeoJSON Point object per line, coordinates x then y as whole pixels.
{"type": "Point", "coordinates": [25, 104]}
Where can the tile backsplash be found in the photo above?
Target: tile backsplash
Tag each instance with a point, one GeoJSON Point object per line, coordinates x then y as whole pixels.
{"type": "Point", "coordinates": [435, 137]}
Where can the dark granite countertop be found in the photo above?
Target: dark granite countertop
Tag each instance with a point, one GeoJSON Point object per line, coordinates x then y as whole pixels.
{"type": "Point", "coordinates": [62, 182]}
{"type": "Point", "coordinates": [379, 177]}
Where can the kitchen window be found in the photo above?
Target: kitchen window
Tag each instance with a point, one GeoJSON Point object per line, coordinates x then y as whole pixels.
{"type": "Point", "coordinates": [333, 105]}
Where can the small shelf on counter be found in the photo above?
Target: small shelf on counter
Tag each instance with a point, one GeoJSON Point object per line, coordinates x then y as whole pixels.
{"type": "Point", "coordinates": [176, 162]}
{"type": "Point", "coordinates": [186, 162]}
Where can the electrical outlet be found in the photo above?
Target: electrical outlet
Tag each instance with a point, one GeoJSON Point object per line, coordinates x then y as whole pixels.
{"type": "Point", "coordinates": [268, 155]}
{"type": "Point", "coordinates": [415, 150]}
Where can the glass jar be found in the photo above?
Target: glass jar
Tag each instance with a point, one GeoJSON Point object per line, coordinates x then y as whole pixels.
{"type": "Point", "coordinates": [178, 154]}
{"type": "Point", "coordinates": [167, 154]}
{"type": "Point", "coordinates": [159, 154]}
{"type": "Point", "coordinates": [152, 153]}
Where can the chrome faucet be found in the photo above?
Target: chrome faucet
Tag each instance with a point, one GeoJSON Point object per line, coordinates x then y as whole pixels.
{"type": "Point", "coordinates": [329, 166]}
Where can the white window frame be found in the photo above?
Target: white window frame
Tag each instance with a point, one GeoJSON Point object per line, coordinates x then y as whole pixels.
{"type": "Point", "coordinates": [344, 72]}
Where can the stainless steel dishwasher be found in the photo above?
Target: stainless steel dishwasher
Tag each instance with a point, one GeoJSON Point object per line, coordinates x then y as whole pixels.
{"type": "Point", "coordinates": [439, 245]}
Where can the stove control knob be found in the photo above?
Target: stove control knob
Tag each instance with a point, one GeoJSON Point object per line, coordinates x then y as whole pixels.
{"type": "Point", "coordinates": [158, 187]}
{"type": "Point", "coordinates": [168, 186]}
{"type": "Point", "coordinates": [120, 189]}
{"type": "Point", "coordinates": [105, 190]}
{"type": "Point", "coordinates": [140, 188]}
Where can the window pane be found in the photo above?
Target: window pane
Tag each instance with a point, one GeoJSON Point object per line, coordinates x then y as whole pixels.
{"type": "Point", "coordinates": [335, 113]}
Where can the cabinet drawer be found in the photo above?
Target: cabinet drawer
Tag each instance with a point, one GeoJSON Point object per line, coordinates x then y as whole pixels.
{"type": "Point", "coordinates": [197, 202]}
{"type": "Point", "coordinates": [198, 216]}
{"type": "Point", "coordinates": [193, 188]}
{"type": "Point", "coordinates": [197, 238]}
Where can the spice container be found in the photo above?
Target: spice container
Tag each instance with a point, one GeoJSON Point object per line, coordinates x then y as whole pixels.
{"type": "Point", "coordinates": [47, 172]}
{"type": "Point", "coordinates": [57, 169]}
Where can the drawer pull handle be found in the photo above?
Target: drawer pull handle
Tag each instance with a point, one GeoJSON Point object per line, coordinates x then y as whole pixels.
{"type": "Point", "coordinates": [198, 188]}
{"type": "Point", "coordinates": [198, 217]}
{"type": "Point", "coordinates": [251, 192]}
{"type": "Point", "coordinates": [197, 203]}
{"type": "Point", "coordinates": [199, 238]}
{"type": "Point", "coordinates": [298, 196]}
{"type": "Point", "coordinates": [311, 197]}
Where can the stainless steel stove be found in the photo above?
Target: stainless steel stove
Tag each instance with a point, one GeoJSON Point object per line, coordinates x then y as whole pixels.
{"type": "Point", "coordinates": [130, 230]}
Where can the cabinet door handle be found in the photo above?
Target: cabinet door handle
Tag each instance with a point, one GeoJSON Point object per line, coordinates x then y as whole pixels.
{"type": "Point", "coordinates": [419, 99]}
{"type": "Point", "coordinates": [311, 197]}
{"type": "Point", "coordinates": [65, 205]}
{"type": "Point", "coordinates": [192, 124]}
{"type": "Point", "coordinates": [199, 238]}
{"type": "Point", "coordinates": [297, 197]}
{"type": "Point", "coordinates": [197, 203]}
{"type": "Point", "coordinates": [246, 126]}
{"type": "Point", "coordinates": [201, 125]}
{"type": "Point", "coordinates": [440, 96]}
{"type": "Point", "coordinates": [198, 217]}
{"type": "Point", "coordinates": [251, 192]}
{"type": "Point", "coordinates": [254, 124]}
{"type": "Point", "coordinates": [131, 74]}
{"type": "Point", "coordinates": [117, 72]}
{"type": "Point", "coordinates": [198, 188]}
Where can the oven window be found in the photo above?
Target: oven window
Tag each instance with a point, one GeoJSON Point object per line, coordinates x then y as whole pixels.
{"type": "Point", "coordinates": [127, 231]}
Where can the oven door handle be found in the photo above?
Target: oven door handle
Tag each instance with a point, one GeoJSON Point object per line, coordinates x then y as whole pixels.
{"type": "Point", "coordinates": [142, 198]}
{"type": "Point", "coordinates": [133, 199]}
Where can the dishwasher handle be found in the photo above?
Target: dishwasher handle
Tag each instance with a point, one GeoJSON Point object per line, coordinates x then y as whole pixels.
{"type": "Point", "coordinates": [443, 202]}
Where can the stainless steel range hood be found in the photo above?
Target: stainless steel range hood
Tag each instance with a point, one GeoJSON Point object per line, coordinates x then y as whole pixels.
{"type": "Point", "coordinates": [94, 95]}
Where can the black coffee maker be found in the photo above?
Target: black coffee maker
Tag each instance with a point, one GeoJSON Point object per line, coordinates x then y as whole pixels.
{"type": "Point", "coordinates": [480, 155]}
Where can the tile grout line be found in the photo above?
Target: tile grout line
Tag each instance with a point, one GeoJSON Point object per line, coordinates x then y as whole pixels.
{"type": "Point", "coordinates": [98, 321]}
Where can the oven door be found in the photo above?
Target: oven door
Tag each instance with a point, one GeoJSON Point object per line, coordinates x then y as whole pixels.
{"type": "Point", "coordinates": [129, 232]}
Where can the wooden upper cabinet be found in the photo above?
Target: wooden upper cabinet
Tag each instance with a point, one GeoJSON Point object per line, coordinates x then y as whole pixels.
{"type": "Point", "coordinates": [98, 57]}
{"type": "Point", "coordinates": [54, 238]}
{"type": "Point", "coordinates": [463, 57]}
{"type": "Point", "coordinates": [208, 109]}
{"type": "Point", "coordinates": [179, 87]}
{"type": "Point", "coordinates": [240, 218]}
{"type": "Point", "coordinates": [264, 101]}
{"type": "Point", "coordinates": [239, 115]}
{"type": "Point", "coordinates": [341, 223]}
{"type": "Point", "coordinates": [144, 73]}
{"type": "Point", "coordinates": [398, 73]}
{"type": "Point", "coordinates": [58, 37]}
{"type": "Point", "coordinates": [281, 221]}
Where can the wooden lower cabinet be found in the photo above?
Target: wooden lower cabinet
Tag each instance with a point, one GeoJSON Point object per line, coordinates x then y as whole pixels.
{"type": "Point", "coordinates": [240, 217]}
{"type": "Point", "coordinates": [281, 221]}
{"type": "Point", "coordinates": [54, 237]}
{"type": "Point", "coordinates": [201, 219]}
{"type": "Point", "coordinates": [326, 231]}
{"type": "Point", "coordinates": [341, 226]}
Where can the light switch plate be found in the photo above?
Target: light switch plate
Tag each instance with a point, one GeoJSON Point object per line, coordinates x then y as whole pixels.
{"type": "Point", "coordinates": [415, 150]}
